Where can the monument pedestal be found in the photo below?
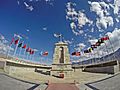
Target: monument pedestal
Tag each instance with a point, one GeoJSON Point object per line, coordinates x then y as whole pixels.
{"type": "Point", "coordinates": [61, 61]}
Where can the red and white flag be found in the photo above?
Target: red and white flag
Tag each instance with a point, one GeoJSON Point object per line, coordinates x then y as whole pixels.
{"type": "Point", "coordinates": [105, 38]}
{"type": "Point", "coordinates": [45, 53]}
{"type": "Point", "coordinates": [16, 41]}
{"type": "Point", "coordinates": [24, 46]}
{"type": "Point", "coordinates": [76, 54]}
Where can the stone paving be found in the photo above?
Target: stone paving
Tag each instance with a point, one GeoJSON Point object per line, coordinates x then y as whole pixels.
{"type": "Point", "coordinates": [62, 86]}
{"type": "Point", "coordinates": [110, 83]}
{"type": "Point", "coordinates": [9, 83]}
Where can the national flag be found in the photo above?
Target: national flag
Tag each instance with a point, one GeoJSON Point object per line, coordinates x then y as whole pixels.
{"type": "Point", "coordinates": [16, 41]}
{"type": "Point", "coordinates": [20, 45]}
{"type": "Point", "coordinates": [100, 41]}
{"type": "Point", "coordinates": [86, 51]}
{"type": "Point", "coordinates": [90, 49]}
{"type": "Point", "coordinates": [32, 52]}
{"type": "Point", "coordinates": [76, 54]}
{"type": "Point", "coordinates": [93, 46]}
{"type": "Point", "coordinates": [98, 44]}
{"type": "Point", "coordinates": [13, 39]}
{"type": "Point", "coordinates": [45, 53]}
{"type": "Point", "coordinates": [73, 53]}
{"type": "Point", "coordinates": [24, 46]}
{"type": "Point", "coordinates": [105, 38]}
{"type": "Point", "coordinates": [28, 49]}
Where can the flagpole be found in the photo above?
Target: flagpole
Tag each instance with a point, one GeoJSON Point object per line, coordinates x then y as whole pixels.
{"type": "Point", "coordinates": [20, 49]}
{"type": "Point", "coordinates": [27, 55]}
{"type": "Point", "coordinates": [10, 47]}
{"type": "Point", "coordinates": [16, 48]}
{"type": "Point", "coordinates": [33, 56]}
{"type": "Point", "coordinates": [9, 50]}
{"type": "Point", "coordinates": [106, 49]}
{"type": "Point", "coordinates": [112, 47]}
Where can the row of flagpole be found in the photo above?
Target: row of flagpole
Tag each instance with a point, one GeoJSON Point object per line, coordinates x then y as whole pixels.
{"type": "Point", "coordinates": [96, 45]}
{"type": "Point", "coordinates": [16, 40]}
{"type": "Point", "coordinates": [28, 52]}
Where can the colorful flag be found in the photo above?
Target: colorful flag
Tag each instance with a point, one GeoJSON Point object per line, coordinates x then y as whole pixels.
{"type": "Point", "coordinates": [105, 38]}
{"type": "Point", "coordinates": [20, 45]}
{"type": "Point", "coordinates": [90, 49]}
{"type": "Point", "coordinates": [24, 46]}
{"type": "Point", "coordinates": [73, 53]}
{"type": "Point", "coordinates": [28, 49]}
{"type": "Point", "coordinates": [12, 41]}
{"type": "Point", "coordinates": [32, 52]}
{"type": "Point", "coordinates": [86, 51]}
{"type": "Point", "coordinates": [98, 44]}
{"type": "Point", "coordinates": [16, 41]}
{"type": "Point", "coordinates": [100, 41]}
{"type": "Point", "coordinates": [93, 46]}
{"type": "Point", "coordinates": [45, 53]}
{"type": "Point", "coordinates": [76, 54]}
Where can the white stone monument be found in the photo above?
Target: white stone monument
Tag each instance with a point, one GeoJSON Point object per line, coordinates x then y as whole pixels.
{"type": "Point", "coordinates": [61, 60]}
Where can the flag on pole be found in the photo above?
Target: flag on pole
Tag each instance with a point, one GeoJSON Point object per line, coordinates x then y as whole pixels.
{"type": "Point", "coordinates": [24, 46]}
{"type": "Point", "coordinates": [12, 41]}
{"type": "Point", "coordinates": [28, 49]}
{"type": "Point", "coordinates": [20, 45]}
{"type": "Point", "coordinates": [90, 49]}
{"type": "Point", "coordinates": [45, 53]}
{"type": "Point", "coordinates": [86, 51]}
{"type": "Point", "coordinates": [105, 38]}
{"type": "Point", "coordinates": [76, 54]}
{"type": "Point", "coordinates": [101, 41]}
{"type": "Point", "coordinates": [32, 52]}
{"type": "Point", "coordinates": [97, 44]}
{"type": "Point", "coordinates": [93, 46]}
{"type": "Point", "coordinates": [16, 41]}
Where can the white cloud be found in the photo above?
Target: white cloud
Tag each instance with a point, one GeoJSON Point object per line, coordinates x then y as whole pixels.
{"type": "Point", "coordinates": [92, 41]}
{"type": "Point", "coordinates": [4, 47]}
{"type": "Point", "coordinates": [77, 18]}
{"type": "Point", "coordinates": [82, 19]}
{"type": "Point", "coordinates": [80, 47]}
{"type": "Point", "coordinates": [45, 28]}
{"type": "Point", "coordinates": [68, 41]}
{"type": "Point", "coordinates": [102, 10]}
{"type": "Point", "coordinates": [117, 6]}
{"type": "Point", "coordinates": [96, 7]}
{"type": "Point", "coordinates": [72, 25]}
{"type": "Point", "coordinates": [104, 22]}
{"type": "Point", "coordinates": [28, 6]}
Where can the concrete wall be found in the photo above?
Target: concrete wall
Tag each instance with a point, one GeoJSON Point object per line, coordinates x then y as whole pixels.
{"type": "Point", "coordinates": [107, 69]}
{"type": "Point", "coordinates": [14, 69]}
{"type": "Point", "coordinates": [2, 64]}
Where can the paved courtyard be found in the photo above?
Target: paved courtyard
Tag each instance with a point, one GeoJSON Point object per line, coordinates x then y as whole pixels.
{"type": "Point", "coordinates": [9, 83]}
{"type": "Point", "coordinates": [62, 86]}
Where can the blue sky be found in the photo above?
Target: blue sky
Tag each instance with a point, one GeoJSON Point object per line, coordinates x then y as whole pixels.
{"type": "Point", "coordinates": [48, 17]}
